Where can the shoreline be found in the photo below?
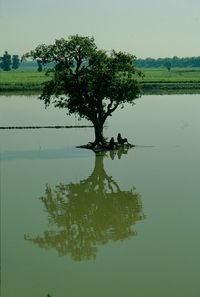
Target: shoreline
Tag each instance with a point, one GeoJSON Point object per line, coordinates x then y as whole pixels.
{"type": "Point", "coordinates": [146, 88]}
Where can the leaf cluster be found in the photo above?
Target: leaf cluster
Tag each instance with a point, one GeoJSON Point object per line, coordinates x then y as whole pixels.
{"type": "Point", "coordinates": [86, 80]}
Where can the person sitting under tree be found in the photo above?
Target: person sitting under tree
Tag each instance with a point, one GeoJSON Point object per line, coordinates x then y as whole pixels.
{"type": "Point", "coordinates": [112, 143]}
{"type": "Point", "coordinates": [121, 140]}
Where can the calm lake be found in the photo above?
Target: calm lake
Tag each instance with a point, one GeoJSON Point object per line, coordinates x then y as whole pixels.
{"type": "Point", "coordinates": [79, 225]}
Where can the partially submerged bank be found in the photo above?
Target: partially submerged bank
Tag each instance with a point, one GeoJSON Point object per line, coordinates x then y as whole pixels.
{"type": "Point", "coordinates": [21, 87]}
{"type": "Point", "coordinates": [146, 87]}
{"type": "Point", "coordinates": [170, 87]}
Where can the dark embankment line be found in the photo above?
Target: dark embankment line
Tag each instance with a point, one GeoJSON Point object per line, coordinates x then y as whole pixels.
{"type": "Point", "coordinates": [162, 88]}
{"type": "Point", "coordinates": [46, 127]}
{"type": "Point", "coordinates": [148, 88]}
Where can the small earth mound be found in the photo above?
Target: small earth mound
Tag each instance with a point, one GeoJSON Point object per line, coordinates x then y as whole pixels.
{"type": "Point", "coordinates": [106, 146]}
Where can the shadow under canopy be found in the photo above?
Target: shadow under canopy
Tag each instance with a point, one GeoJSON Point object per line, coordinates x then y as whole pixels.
{"type": "Point", "coordinates": [83, 215]}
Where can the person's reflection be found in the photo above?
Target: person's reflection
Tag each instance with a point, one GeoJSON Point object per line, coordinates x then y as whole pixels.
{"type": "Point", "coordinates": [83, 215]}
{"type": "Point", "coordinates": [118, 153]}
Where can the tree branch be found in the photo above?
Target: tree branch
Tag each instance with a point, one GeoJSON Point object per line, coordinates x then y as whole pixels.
{"type": "Point", "coordinates": [110, 109]}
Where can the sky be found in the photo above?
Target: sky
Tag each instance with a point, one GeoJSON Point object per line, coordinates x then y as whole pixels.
{"type": "Point", "coordinates": [145, 28]}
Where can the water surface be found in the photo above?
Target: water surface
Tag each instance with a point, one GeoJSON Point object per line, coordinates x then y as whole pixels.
{"type": "Point", "coordinates": [125, 224]}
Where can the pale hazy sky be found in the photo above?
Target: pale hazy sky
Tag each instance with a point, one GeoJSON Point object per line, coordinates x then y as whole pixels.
{"type": "Point", "coordinates": [146, 28]}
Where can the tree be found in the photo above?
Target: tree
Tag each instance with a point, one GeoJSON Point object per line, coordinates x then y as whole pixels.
{"type": "Point", "coordinates": [39, 63]}
{"type": "Point", "coordinates": [75, 213]}
{"type": "Point", "coordinates": [15, 62]}
{"type": "Point", "coordinates": [87, 81]}
{"type": "Point", "coordinates": [168, 65]}
{"type": "Point", "coordinates": [6, 62]}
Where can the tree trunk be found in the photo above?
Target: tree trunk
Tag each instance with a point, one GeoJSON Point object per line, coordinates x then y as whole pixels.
{"type": "Point", "coordinates": [98, 128]}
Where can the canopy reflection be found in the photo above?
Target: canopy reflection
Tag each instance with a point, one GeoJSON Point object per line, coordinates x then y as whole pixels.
{"type": "Point", "coordinates": [87, 214]}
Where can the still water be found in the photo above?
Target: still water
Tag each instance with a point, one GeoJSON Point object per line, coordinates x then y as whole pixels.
{"type": "Point", "coordinates": [125, 224]}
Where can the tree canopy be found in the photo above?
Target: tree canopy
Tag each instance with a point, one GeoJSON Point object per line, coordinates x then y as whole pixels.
{"type": "Point", "coordinates": [5, 62]}
{"type": "Point", "coordinates": [87, 81]}
{"type": "Point", "coordinates": [15, 62]}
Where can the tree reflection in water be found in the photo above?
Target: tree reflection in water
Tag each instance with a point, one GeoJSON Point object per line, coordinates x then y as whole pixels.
{"type": "Point", "coordinates": [83, 215]}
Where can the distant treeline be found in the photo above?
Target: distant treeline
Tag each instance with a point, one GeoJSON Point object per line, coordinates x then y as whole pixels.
{"type": "Point", "coordinates": [144, 63]}
{"type": "Point", "coordinates": [8, 62]}
{"type": "Point", "coordinates": [165, 62]}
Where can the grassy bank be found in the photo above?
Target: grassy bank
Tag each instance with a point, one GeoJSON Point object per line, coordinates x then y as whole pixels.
{"type": "Point", "coordinates": [178, 80]}
{"type": "Point", "coordinates": [175, 75]}
{"type": "Point", "coordinates": [155, 80]}
{"type": "Point", "coordinates": [22, 80]}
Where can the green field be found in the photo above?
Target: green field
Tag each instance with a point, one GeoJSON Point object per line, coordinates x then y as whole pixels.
{"type": "Point", "coordinates": [22, 80]}
{"type": "Point", "coordinates": [178, 80]}
{"type": "Point", "coordinates": [154, 79]}
{"type": "Point", "coordinates": [156, 75]}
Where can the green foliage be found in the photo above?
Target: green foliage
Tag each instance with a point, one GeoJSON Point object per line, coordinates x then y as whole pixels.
{"type": "Point", "coordinates": [39, 63]}
{"type": "Point", "coordinates": [175, 62]}
{"type": "Point", "coordinates": [168, 65]}
{"type": "Point", "coordinates": [87, 81]}
{"type": "Point", "coordinates": [6, 62]}
{"type": "Point", "coordinates": [15, 62]}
